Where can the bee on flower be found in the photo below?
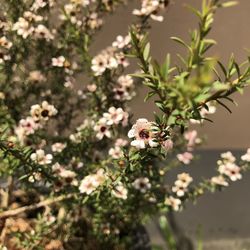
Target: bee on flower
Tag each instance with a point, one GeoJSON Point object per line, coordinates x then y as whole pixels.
{"type": "Point", "coordinates": [143, 134]}
{"type": "Point", "coordinates": [119, 191]}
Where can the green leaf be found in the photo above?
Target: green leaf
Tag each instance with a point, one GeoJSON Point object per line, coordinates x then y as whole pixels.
{"type": "Point", "coordinates": [228, 4]}
{"type": "Point", "coordinates": [180, 41]}
{"type": "Point", "coordinates": [146, 52]}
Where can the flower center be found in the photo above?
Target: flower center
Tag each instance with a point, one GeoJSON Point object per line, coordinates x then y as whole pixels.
{"type": "Point", "coordinates": [103, 129]}
{"type": "Point", "coordinates": [144, 134]}
{"type": "Point", "coordinates": [45, 113]}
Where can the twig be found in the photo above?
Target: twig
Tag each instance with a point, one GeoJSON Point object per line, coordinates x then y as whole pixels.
{"type": "Point", "coordinates": [14, 212]}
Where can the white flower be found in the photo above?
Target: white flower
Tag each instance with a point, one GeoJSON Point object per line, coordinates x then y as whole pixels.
{"type": "Point", "coordinates": [43, 112]}
{"type": "Point", "coordinates": [42, 32]}
{"type": "Point", "coordinates": [219, 180]}
{"type": "Point", "coordinates": [23, 28]}
{"type": "Point", "coordinates": [67, 174]}
{"type": "Point", "coordinates": [184, 178]}
{"type": "Point", "coordinates": [175, 203]}
{"type": "Point", "coordinates": [36, 76]}
{"type": "Point", "coordinates": [151, 8]}
{"type": "Point", "coordinates": [58, 147]}
{"type": "Point", "coordinates": [99, 64]}
{"type": "Point", "coordinates": [228, 157]}
{"type": "Point", "coordinates": [181, 184]}
{"type": "Point", "coordinates": [121, 142]}
{"type": "Point", "coordinates": [185, 157]}
{"type": "Point", "coordinates": [114, 115]}
{"type": "Point", "coordinates": [179, 190]}
{"type": "Point", "coordinates": [26, 127]}
{"type": "Point", "coordinates": [93, 21]}
{"type": "Point", "coordinates": [116, 152]}
{"type": "Point", "coordinates": [120, 191]}
{"type": "Point", "coordinates": [91, 182]}
{"type": "Point", "coordinates": [4, 42]}
{"type": "Point", "coordinates": [87, 185]}
{"type": "Point", "coordinates": [204, 112]}
{"type": "Point", "coordinates": [58, 61]}
{"type": "Point", "coordinates": [121, 42]}
{"type": "Point", "coordinates": [246, 157]}
{"type": "Point", "coordinates": [231, 170]}
{"type": "Point", "coordinates": [40, 157]}
{"type": "Point", "coordinates": [142, 184]}
{"type": "Point", "coordinates": [143, 134]}
{"type": "Point", "coordinates": [91, 87]}
{"type": "Point", "coordinates": [102, 129]}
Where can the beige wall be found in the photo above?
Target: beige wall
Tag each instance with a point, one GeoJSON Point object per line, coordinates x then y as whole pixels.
{"type": "Point", "coordinates": [231, 31]}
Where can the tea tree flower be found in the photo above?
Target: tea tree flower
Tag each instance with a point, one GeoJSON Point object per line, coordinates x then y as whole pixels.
{"type": "Point", "coordinates": [42, 112]}
{"type": "Point", "coordinates": [219, 180]}
{"type": "Point", "coordinates": [167, 144]}
{"type": "Point", "coordinates": [142, 134]}
{"type": "Point", "coordinates": [230, 170]}
{"type": "Point", "coordinates": [91, 182]}
{"type": "Point", "coordinates": [58, 147]}
{"type": "Point", "coordinates": [99, 64]}
{"type": "Point", "coordinates": [42, 32]}
{"type": "Point", "coordinates": [36, 76]}
{"type": "Point", "coordinates": [181, 184]}
{"type": "Point", "coordinates": [142, 184]}
{"type": "Point", "coordinates": [58, 61]}
{"type": "Point", "coordinates": [116, 152]}
{"type": "Point", "coordinates": [115, 116]}
{"type": "Point", "coordinates": [192, 139]}
{"type": "Point", "coordinates": [185, 157]}
{"type": "Point", "coordinates": [41, 158]}
{"type": "Point", "coordinates": [102, 129]}
{"type": "Point", "coordinates": [228, 157]}
{"type": "Point", "coordinates": [23, 28]}
{"type": "Point", "coordinates": [119, 191]}
{"type": "Point", "coordinates": [246, 157]}
{"type": "Point", "coordinates": [4, 42]}
{"type": "Point", "coordinates": [121, 42]}
{"type": "Point", "coordinates": [151, 8]}
{"type": "Point", "coordinates": [175, 203]}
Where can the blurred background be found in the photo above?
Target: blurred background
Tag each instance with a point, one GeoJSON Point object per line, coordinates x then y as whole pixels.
{"type": "Point", "coordinates": [232, 33]}
{"type": "Point", "coordinates": [221, 220]}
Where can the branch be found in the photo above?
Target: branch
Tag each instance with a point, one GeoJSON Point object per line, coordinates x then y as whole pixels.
{"type": "Point", "coordinates": [48, 202]}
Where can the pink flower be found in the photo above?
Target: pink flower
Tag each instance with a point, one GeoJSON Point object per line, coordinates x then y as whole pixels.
{"type": "Point", "coordinates": [185, 157]}
{"type": "Point", "coordinates": [192, 138]}
{"type": "Point", "coordinates": [167, 144]}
